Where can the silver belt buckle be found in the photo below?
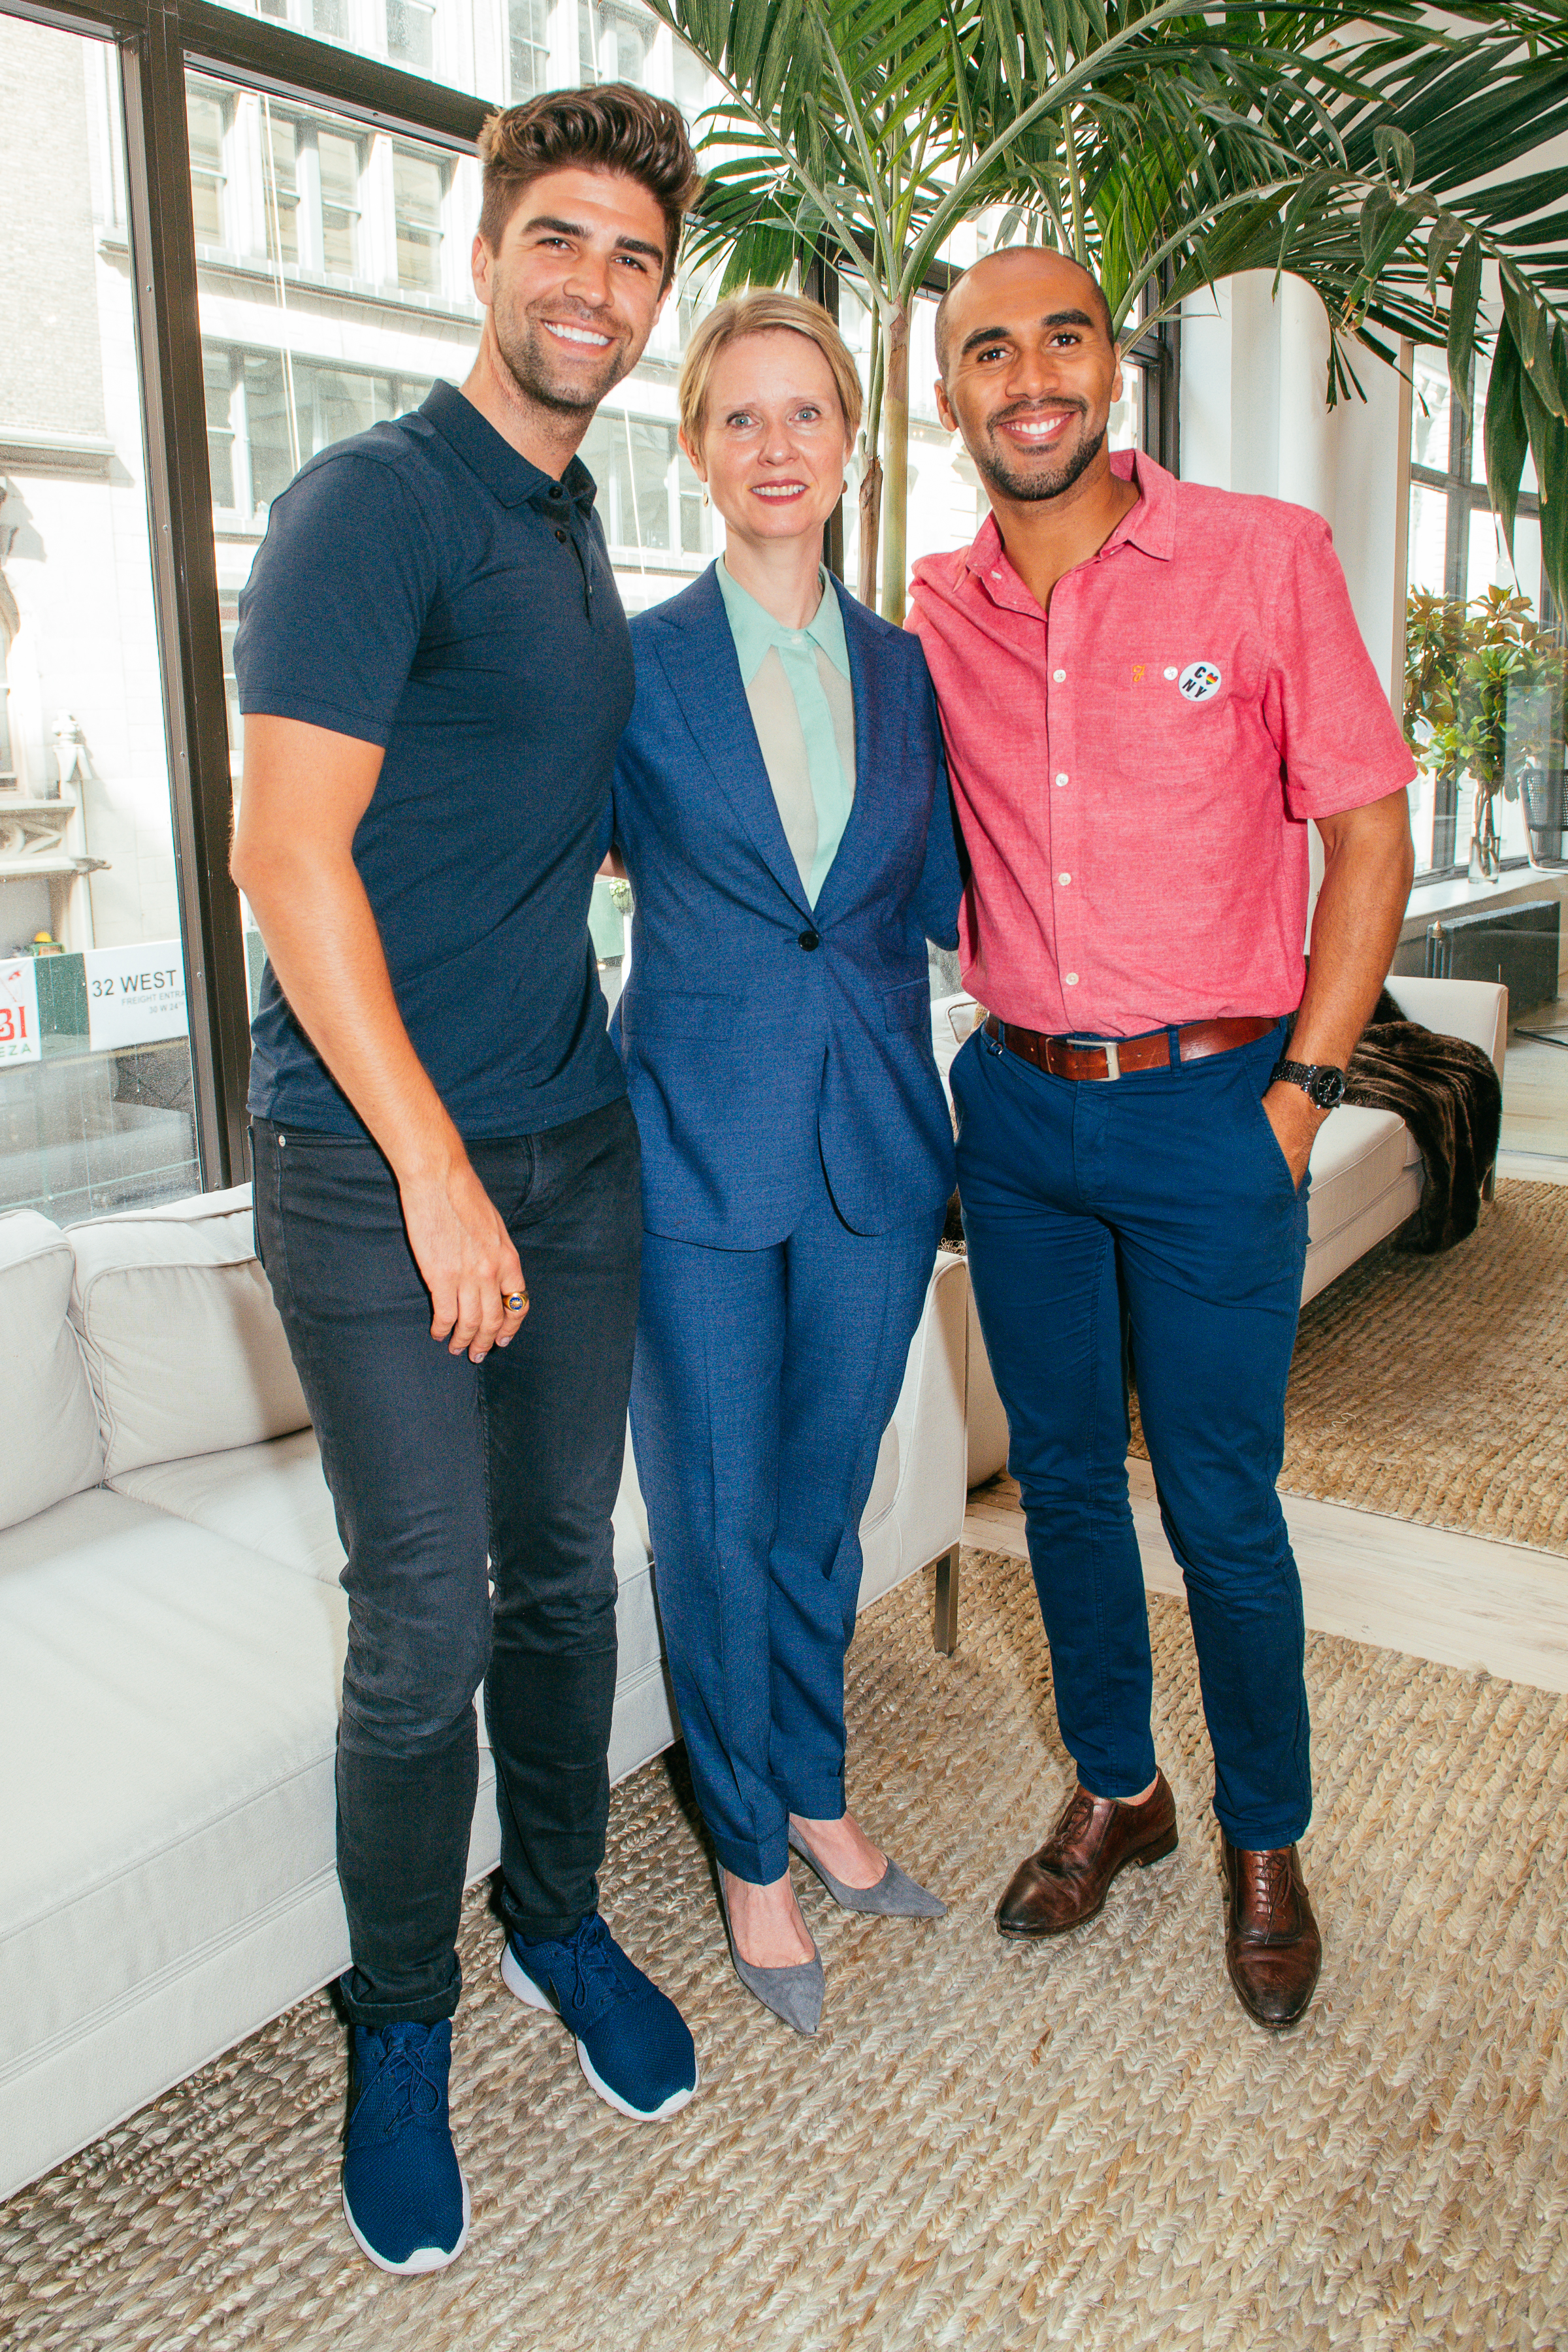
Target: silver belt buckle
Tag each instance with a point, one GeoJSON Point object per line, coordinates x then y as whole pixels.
{"type": "Point", "coordinates": [1106, 1046]}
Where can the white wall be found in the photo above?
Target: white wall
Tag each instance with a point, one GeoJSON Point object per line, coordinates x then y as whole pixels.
{"type": "Point", "coordinates": [1254, 416]}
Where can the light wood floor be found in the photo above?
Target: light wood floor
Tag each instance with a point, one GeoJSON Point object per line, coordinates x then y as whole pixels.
{"type": "Point", "coordinates": [1457, 1599]}
{"type": "Point", "coordinates": [1535, 1086]}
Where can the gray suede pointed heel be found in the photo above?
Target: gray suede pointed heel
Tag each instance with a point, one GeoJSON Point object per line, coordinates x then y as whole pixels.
{"type": "Point", "coordinates": [793, 1994]}
{"type": "Point", "coordinates": [894, 1897]}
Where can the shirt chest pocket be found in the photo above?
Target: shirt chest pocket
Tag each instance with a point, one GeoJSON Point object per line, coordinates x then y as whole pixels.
{"type": "Point", "coordinates": [1172, 717]}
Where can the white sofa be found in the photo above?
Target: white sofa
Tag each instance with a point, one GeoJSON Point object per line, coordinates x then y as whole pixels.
{"type": "Point", "coordinates": [171, 1633]}
{"type": "Point", "coordinates": [1366, 1172]}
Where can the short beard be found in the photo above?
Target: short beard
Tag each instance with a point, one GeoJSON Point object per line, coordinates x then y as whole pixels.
{"type": "Point", "coordinates": [522, 346]}
{"type": "Point", "coordinates": [997, 475]}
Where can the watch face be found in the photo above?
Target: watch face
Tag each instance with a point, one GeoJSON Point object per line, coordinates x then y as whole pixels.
{"type": "Point", "coordinates": [1326, 1088]}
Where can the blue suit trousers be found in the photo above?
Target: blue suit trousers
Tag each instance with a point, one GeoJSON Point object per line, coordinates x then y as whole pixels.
{"type": "Point", "coordinates": [763, 1382]}
{"type": "Point", "coordinates": [1159, 1206]}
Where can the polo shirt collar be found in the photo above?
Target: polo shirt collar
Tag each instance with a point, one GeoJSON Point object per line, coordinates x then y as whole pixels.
{"type": "Point", "coordinates": [504, 471]}
{"type": "Point", "coordinates": [756, 631]}
{"type": "Point", "coordinates": [1150, 526]}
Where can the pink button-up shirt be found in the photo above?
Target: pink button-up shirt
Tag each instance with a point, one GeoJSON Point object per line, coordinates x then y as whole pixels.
{"type": "Point", "coordinates": [1134, 772]}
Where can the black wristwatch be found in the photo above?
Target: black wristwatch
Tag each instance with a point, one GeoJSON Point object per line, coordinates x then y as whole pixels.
{"type": "Point", "coordinates": [1323, 1086]}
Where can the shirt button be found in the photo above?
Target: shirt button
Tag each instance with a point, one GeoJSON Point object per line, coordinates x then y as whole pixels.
{"type": "Point", "coordinates": [1170, 673]}
{"type": "Point", "coordinates": [1062, 778]}
{"type": "Point", "coordinates": [1064, 880]}
{"type": "Point", "coordinates": [1070, 978]}
{"type": "Point", "coordinates": [556, 491]}
{"type": "Point", "coordinates": [561, 537]}
{"type": "Point", "coordinates": [1059, 675]}
{"type": "Point", "coordinates": [810, 939]}
{"type": "Point", "coordinates": [995, 575]}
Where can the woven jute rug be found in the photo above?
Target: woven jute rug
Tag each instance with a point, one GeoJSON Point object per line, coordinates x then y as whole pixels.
{"type": "Point", "coordinates": [1435, 1388]}
{"type": "Point", "coordinates": [1084, 2144]}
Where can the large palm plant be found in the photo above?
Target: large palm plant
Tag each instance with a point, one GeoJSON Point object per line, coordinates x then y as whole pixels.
{"type": "Point", "coordinates": [1167, 148]}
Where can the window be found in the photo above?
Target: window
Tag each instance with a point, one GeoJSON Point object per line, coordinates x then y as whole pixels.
{"type": "Point", "coordinates": [649, 501]}
{"type": "Point", "coordinates": [207, 176]}
{"type": "Point", "coordinates": [417, 191]}
{"type": "Point", "coordinates": [268, 411]}
{"type": "Point", "coordinates": [528, 50]}
{"type": "Point", "coordinates": [280, 185]}
{"type": "Point", "coordinates": [693, 90]}
{"type": "Point", "coordinates": [411, 34]}
{"type": "Point", "coordinates": [338, 174]}
{"type": "Point", "coordinates": [1483, 671]}
{"type": "Point", "coordinates": [218, 378]}
{"type": "Point", "coordinates": [95, 1060]}
{"type": "Point", "coordinates": [613, 41]}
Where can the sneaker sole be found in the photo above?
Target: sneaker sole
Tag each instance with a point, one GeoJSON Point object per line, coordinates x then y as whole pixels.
{"type": "Point", "coordinates": [518, 1981]}
{"type": "Point", "coordinates": [423, 2258]}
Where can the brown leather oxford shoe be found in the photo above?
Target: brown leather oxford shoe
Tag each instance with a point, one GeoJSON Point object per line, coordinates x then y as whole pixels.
{"type": "Point", "coordinates": [1094, 1837]}
{"type": "Point", "coordinates": [1272, 1947]}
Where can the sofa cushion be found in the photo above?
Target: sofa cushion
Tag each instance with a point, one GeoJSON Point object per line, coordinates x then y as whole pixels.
{"type": "Point", "coordinates": [183, 1342]}
{"type": "Point", "coordinates": [171, 1710]}
{"type": "Point", "coordinates": [274, 1498]}
{"type": "Point", "coordinates": [168, 1883]}
{"type": "Point", "coordinates": [1358, 1156]}
{"type": "Point", "coordinates": [51, 1447]}
{"type": "Point", "coordinates": [271, 1497]}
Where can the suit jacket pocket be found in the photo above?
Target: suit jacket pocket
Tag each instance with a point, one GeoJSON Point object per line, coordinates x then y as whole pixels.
{"type": "Point", "coordinates": [675, 1012]}
{"type": "Point", "coordinates": [908, 1007]}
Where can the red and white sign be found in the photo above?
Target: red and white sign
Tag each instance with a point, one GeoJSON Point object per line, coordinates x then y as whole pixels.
{"type": "Point", "coordinates": [19, 1011]}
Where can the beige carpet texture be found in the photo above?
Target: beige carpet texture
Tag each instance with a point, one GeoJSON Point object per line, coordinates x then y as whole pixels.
{"type": "Point", "coordinates": [1435, 1388]}
{"type": "Point", "coordinates": [1081, 2144]}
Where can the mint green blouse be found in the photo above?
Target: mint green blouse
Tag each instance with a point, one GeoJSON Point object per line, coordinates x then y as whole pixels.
{"type": "Point", "coordinates": [803, 707]}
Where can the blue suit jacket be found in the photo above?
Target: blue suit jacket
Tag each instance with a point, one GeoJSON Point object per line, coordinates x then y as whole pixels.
{"type": "Point", "coordinates": [748, 1050]}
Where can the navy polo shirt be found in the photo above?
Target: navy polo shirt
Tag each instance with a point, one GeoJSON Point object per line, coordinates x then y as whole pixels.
{"type": "Point", "coordinates": [422, 586]}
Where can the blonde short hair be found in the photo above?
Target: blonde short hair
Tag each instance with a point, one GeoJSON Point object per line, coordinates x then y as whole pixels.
{"type": "Point", "coordinates": [764, 312]}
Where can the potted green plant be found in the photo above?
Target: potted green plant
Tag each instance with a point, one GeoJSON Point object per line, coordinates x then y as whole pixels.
{"type": "Point", "coordinates": [1484, 695]}
{"type": "Point", "coordinates": [1375, 152]}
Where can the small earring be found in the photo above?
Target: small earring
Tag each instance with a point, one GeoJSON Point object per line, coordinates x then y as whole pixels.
{"type": "Point", "coordinates": [705, 498]}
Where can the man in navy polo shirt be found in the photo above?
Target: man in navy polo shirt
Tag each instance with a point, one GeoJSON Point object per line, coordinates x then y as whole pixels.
{"type": "Point", "coordinates": [434, 670]}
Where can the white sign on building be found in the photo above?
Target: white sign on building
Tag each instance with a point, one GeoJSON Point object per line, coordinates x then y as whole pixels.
{"type": "Point", "coordinates": [19, 1011]}
{"type": "Point", "coordinates": [135, 995]}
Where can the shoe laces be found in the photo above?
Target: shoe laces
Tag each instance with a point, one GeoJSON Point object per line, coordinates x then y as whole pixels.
{"type": "Point", "coordinates": [1266, 1877]}
{"type": "Point", "coordinates": [597, 1979]}
{"type": "Point", "coordinates": [411, 2088]}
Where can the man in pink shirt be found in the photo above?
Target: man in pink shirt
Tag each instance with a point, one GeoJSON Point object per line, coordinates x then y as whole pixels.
{"type": "Point", "coordinates": [1147, 689]}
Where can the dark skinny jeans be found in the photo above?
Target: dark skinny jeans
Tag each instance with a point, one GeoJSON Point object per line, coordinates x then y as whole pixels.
{"type": "Point", "coordinates": [436, 1463]}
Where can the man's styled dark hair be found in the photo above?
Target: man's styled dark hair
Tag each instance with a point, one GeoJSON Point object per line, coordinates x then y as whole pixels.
{"type": "Point", "coordinates": [613, 128]}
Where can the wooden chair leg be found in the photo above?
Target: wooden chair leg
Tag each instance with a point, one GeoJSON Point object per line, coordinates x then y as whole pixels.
{"type": "Point", "coordinates": [944, 1629]}
{"type": "Point", "coordinates": [1489, 1187]}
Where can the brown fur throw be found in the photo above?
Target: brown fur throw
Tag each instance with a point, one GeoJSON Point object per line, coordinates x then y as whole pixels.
{"type": "Point", "coordinates": [1448, 1094]}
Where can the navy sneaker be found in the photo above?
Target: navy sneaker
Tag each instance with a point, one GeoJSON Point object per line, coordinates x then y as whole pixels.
{"type": "Point", "coordinates": [404, 2196]}
{"type": "Point", "coordinates": [632, 2040]}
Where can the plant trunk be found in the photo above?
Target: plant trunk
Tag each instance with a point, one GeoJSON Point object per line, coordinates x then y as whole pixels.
{"type": "Point", "coordinates": [870, 525]}
{"type": "Point", "coordinates": [896, 441]}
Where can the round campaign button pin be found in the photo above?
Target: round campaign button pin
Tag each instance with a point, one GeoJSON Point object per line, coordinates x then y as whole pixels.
{"type": "Point", "coordinates": [1199, 682]}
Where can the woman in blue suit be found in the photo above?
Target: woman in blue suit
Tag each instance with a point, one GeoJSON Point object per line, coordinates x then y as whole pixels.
{"type": "Point", "coordinates": [782, 811]}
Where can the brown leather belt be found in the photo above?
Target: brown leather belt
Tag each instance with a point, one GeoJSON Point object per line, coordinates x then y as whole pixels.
{"type": "Point", "coordinates": [1084, 1058]}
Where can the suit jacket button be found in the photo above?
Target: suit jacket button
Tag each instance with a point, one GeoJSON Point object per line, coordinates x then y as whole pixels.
{"type": "Point", "coordinates": [810, 939]}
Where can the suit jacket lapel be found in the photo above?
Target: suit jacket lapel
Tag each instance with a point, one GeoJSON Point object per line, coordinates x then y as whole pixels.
{"type": "Point", "coordinates": [697, 653]}
{"type": "Point", "coordinates": [860, 833]}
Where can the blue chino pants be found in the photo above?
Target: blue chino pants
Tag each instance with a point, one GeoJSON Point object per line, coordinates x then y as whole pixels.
{"type": "Point", "coordinates": [1161, 1202]}
{"type": "Point", "coordinates": [763, 1382]}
